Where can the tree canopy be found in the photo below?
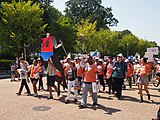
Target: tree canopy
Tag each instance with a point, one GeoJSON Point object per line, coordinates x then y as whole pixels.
{"type": "Point", "coordinates": [91, 10]}
{"type": "Point", "coordinates": [21, 25]}
{"type": "Point", "coordinates": [84, 28]}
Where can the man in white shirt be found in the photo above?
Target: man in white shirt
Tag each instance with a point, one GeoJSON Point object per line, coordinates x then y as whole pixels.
{"type": "Point", "coordinates": [22, 72]}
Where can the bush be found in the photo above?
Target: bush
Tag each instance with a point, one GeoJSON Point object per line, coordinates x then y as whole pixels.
{"type": "Point", "coordinates": [5, 64]}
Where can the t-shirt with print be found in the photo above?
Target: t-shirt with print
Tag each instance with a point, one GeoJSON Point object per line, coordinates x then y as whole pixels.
{"type": "Point", "coordinates": [144, 70]}
{"type": "Point", "coordinates": [90, 73]}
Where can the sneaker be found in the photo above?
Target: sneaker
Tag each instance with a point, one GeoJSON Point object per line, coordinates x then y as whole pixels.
{"type": "Point", "coordinates": [95, 105]}
{"type": "Point", "coordinates": [141, 100]}
{"type": "Point", "coordinates": [35, 95]}
{"type": "Point", "coordinates": [18, 93]}
{"type": "Point", "coordinates": [82, 106]}
{"type": "Point", "coordinates": [103, 89]}
{"type": "Point", "coordinates": [28, 94]}
{"type": "Point", "coordinates": [58, 93]}
{"type": "Point", "coordinates": [11, 80]}
{"type": "Point", "coordinates": [67, 101]}
{"type": "Point", "coordinates": [50, 97]}
{"type": "Point", "coordinates": [149, 97]}
{"type": "Point", "coordinates": [75, 100]}
{"type": "Point", "coordinates": [109, 95]}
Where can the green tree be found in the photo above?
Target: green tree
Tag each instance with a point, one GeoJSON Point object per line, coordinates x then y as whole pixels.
{"type": "Point", "coordinates": [21, 25]}
{"type": "Point", "coordinates": [106, 42]}
{"type": "Point", "coordinates": [66, 32]}
{"type": "Point", "coordinates": [143, 45]}
{"type": "Point", "coordinates": [86, 36]}
{"type": "Point", "coordinates": [122, 33]}
{"type": "Point", "coordinates": [91, 10]}
{"type": "Point", "coordinates": [128, 44]}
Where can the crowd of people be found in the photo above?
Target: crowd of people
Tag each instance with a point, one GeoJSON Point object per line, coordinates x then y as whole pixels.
{"type": "Point", "coordinates": [88, 76]}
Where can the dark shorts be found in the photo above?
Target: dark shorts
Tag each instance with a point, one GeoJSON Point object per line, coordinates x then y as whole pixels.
{"type": "Point", "coordinates": [33, 79]}
{"type": "Point", "coordinates": [158, 74]}
{"type": "Point", "coordinates": [13, 72]}
{"type": "Point", "coordinates": [51, 80]}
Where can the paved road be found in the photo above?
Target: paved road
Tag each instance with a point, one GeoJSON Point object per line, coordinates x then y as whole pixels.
{"type": "Point", "coordinates": [13, 107]}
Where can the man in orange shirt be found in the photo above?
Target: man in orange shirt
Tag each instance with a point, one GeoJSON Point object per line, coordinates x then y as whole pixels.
{"type": "Point", "coordinates": [90, 76]}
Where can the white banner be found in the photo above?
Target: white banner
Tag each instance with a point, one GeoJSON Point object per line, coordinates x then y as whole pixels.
{"type": "Point", "coordinates": [153, 50]}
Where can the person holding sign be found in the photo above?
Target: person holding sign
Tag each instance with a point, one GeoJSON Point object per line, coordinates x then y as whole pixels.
{"type": "Point", "coordinates": [90, 77]}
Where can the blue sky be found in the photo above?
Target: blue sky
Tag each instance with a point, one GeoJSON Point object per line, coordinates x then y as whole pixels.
{"type": "Point", "coordinates": [141, 17]}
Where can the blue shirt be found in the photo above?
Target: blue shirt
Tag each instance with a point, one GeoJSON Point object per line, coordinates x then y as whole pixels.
{"type": "Point", "coordinates": [120, 70]}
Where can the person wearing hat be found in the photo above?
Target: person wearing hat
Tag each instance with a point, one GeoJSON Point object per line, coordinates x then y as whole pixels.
{"type": "Point", "coordinates": [71, 77]}
{"type": "Point", "coordinates": [119, 74]}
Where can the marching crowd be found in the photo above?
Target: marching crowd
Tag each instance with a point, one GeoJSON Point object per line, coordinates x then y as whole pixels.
{"type": "Point", "coordinates": [87, 76]}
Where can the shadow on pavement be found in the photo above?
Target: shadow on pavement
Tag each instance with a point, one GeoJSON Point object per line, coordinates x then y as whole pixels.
{"type": "Point", "coordinates": [44, 96]}
{"type": "Point", "coordinates": [107, 110]}
{"type": "Point", "coordinates": [129, 98]}
{"type": "Point", "coordinates": [109, 98]}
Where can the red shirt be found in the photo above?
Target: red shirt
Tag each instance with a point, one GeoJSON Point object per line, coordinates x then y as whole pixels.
{"type": "Point", "coordinates": [129, 70]}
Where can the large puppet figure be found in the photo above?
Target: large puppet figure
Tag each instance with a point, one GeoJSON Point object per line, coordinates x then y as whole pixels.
{"type": "Point", "coordinates": [47, 51]}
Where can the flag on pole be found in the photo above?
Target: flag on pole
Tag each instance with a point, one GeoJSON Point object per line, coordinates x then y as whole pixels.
{"type": "Point", "coordinates": [95, 54]}
{"type": "Point", "coordinates": [69, 55]}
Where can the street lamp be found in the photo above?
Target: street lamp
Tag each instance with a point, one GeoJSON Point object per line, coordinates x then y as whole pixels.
{"type": "Point", "coordinates": [25, 51]}
{"type": "Point", "coordinates": [127, 50]}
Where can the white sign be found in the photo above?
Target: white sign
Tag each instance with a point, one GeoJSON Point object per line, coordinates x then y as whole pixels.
{"type": "Point", "coordinates": [149, 56]}
{"type": "Point", "coordinates": [153, 50]}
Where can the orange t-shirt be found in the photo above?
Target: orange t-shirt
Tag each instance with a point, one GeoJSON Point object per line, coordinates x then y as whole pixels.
{"type": "Point", "coordinates": [129, 70]}
{"type": "Point", "coordinates": [59, 74]}
{"type": "Point", "coordinates": [100, 69]}
{"type": "Point", "coordinates": [90, 73]}
{"type": "Point", "coordinates": [144, 69]}
{"type": "Point", "coordinates": [79, 70]}
{"type": "Point", "coordinates": [109, 70]}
